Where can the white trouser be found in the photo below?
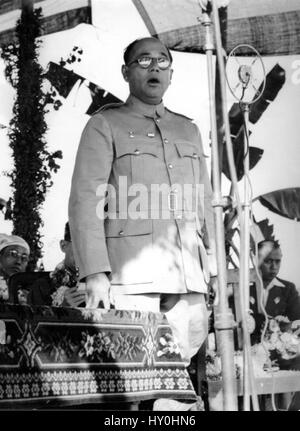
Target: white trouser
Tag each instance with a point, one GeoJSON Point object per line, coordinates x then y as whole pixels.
{"type": "Point", "coordinates": [186, 314]}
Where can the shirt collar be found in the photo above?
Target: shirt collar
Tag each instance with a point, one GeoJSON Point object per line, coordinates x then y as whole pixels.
{"type": "Point", "coordinates": [152, 111]}
{"type": "Point", "coordinates": [274, 282]}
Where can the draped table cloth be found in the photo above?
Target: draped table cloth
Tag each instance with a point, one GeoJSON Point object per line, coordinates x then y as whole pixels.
{"type": "Point", "coordinates": [75, 356]}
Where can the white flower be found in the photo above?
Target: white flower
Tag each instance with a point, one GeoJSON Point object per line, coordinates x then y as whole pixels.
{"type": "Point", "coordinates": [3, 289]}
{"type": "Point", "coordinates": [163, 341]}
{"type": "Point", "coordinates": [58, 296]}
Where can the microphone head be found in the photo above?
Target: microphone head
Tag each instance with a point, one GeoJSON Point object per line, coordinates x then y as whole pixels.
{"type": "Point", "coordinates": [245, 74]}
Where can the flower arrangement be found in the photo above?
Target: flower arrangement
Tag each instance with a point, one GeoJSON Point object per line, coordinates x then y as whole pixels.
{"type": "Point", "coordinates": [214, 367]}
{"type": "Point", "coordinates": [62, 278]}
{"type": "Point", "coordinates": [278, 349]}
{"type": "Point", "coordinates": [168, 346]}
{"type": "Point", "coordinates": [282, 338]}
{"type": "Point", "coordinates": [3, 289]}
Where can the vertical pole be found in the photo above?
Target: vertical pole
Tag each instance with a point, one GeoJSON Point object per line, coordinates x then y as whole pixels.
{"type": "Point", "coordinates": [223, 317]}
{"type": "Point", "coordinates": [249, 378]}
{"type": "Point", "coordinates": [246, 337]}
{"type": "Point", "coordinates": [245, 246]}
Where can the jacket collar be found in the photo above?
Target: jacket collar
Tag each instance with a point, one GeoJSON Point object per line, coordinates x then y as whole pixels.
{"type": "Point", "coordinates": [140, 107]}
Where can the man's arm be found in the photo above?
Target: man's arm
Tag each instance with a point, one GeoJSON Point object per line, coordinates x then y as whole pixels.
{"type": "Point", "coordinates": [86, 208]}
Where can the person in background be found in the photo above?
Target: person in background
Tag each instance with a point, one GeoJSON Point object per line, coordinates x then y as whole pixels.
{"type": "Point", "coordinates": [14, 258]}
{"type": "Point", "coordinates": [62, 288]}
{"type": "Point", "coordinates": [66, 273]}
{"type": "Point", "coordinates": [280, 297]}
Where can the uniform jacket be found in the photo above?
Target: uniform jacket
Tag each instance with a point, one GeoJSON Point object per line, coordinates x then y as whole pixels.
{"type": "Point", "coordinates": [134, 147]}
{"type": "Point", "coordinates": [283, 300]}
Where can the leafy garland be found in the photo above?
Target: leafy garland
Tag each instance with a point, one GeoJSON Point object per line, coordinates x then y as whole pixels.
{"type": "Point", "coordinates": [33, 163]}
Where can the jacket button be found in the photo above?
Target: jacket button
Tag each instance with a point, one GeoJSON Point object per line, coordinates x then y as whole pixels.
{"type": "Point", "coordinates": [195, 155]}
{"type": "Point", "coordinates": [121, 232]}
{"type": "Point", "coordinates": [166, 141]}
{"type": "Point", "coordinates": [170, 166]}
{"type": "Point", "coordinates": [137, 152]}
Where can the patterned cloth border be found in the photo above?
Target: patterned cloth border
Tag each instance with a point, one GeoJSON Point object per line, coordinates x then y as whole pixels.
{"type": "Point", "coordinates": [87, 356]}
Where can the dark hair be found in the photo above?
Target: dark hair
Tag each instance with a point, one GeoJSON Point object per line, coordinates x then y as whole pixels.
{"type": "Point", "coordinates": [275, 243]}
{"type": "Point", "coordinates": [130, 47]}
{"type": "Point", "coordinates": [67, 235]}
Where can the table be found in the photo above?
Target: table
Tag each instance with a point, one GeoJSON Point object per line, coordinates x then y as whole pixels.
{"type": "Point", "coordinates": [70, 356]}
{"type": "Point", "coordinates": [281, 382]}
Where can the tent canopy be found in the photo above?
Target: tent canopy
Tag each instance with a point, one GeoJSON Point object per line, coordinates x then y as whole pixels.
{"type": "Point", "coordinates": [272, 26]}
{"type": "Point", "coordinates": [57, 16]}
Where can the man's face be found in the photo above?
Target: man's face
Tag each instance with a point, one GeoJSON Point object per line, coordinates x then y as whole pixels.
{"type": "Point", "coordinates": [13, 259]}
{"type": "Point", "coordinates": [148, 85]}
{"type": "Point", "coordinates": [271, 265]}
{"type": "Point", "coordinates": [67, 249]}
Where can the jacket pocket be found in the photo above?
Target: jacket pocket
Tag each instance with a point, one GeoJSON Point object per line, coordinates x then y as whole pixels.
{"type": "Point", "coordinates": [190, 155]}
{"type": "Point", "coordinates": [139, 158]}
{"type": "Point", "coordinates": [187, 149]}
{"type": "Point", "coordinates": [129, 245]}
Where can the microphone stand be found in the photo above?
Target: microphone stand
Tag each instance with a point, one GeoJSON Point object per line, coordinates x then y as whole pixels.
{"type": "Point", "coordinates": [243, 217]}
{"type": "Point", "coordinates": [224, 322]}
{"type": "Point", "coordinates": [248, 375]}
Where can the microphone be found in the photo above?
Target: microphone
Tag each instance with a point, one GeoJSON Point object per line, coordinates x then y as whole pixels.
{"type": "Point", "coordinates": [245, 75]}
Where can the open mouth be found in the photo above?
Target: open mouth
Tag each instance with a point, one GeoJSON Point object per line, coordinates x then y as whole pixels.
{"type": "Point", "coordinates": [153, 81]}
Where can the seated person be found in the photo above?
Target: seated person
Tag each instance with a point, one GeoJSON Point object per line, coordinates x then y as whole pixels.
{"type": "Point", "coordinates": [62, 288]}
{"type": "Point", "coordinates": [280, 297]}
{"type": "Point", "coordinates": [14, 257]}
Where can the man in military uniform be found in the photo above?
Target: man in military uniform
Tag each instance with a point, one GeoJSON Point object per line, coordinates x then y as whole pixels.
{"type": "Point", "coordinates": [150, 253]}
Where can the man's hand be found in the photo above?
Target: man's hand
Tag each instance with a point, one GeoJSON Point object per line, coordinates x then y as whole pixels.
{"type": "Point", "coordinates": [97, 290]}
{"type": "Point", "coordinates": [73, 297]}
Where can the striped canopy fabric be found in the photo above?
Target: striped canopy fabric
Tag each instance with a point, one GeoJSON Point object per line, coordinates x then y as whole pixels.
{"type": "Point", "coordinates": [57, 16]}
{"type": "Point", "coordinates": [271, 26]}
